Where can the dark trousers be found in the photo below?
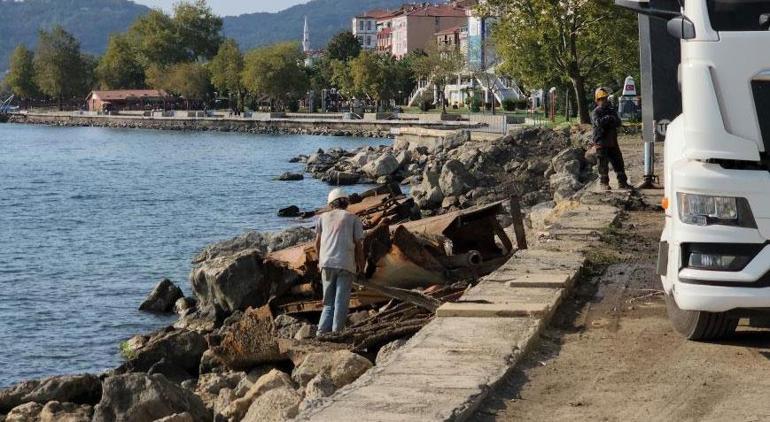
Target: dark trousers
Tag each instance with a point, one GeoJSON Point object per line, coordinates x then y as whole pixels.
{"type": "Point", "coordinates": [607, 156]}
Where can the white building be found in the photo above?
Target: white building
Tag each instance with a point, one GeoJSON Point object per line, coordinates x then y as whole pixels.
{"type": "Point", "coordinates": [365, 29]}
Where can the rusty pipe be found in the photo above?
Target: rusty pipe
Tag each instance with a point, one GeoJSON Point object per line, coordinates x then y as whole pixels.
{"type": "Point", "coordinates": [468, 259]}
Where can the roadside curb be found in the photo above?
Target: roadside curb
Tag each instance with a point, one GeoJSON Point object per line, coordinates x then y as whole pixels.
{"type": "Point", "coordinates": [448, 368]}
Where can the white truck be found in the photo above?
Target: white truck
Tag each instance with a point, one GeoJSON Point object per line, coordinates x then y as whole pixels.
{"type": "Point", "coordinates": [714, 258]}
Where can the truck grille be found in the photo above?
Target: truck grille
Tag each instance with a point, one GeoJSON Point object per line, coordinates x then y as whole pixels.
{"type": "Point", "coordinates": [761, 91]}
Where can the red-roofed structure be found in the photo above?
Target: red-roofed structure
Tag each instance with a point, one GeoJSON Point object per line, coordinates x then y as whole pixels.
{"type": "Point", "coordinates": [126, 99]}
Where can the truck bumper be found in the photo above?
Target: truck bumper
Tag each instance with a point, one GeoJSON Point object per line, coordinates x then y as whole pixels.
{"type": "Point", "coordinates": [718, 291]}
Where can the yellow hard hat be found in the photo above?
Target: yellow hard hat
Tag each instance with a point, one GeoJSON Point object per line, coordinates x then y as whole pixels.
{"type": "Point", "coordinates": [601, 93]}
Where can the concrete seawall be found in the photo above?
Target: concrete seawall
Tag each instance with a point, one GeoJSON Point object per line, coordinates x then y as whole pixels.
{"type": "Point", "coordinates": [311, 126]}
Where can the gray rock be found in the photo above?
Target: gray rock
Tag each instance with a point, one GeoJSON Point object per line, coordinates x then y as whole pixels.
{"type": "Point", "coordinates": [385, 165]}
{"type": "Point", "coordinates": [141, 398]}
{"type": "Point", "coordinates": [262, 242]}
{"type": "Point", "coordinates": [183, 348]}
{"type": "Point", "coordinates": [455, 179]}
{"type": "Point", "coordinates": [171, 371]}
{"type": "Point", "coordinates": [342, 366]}
{"type": "Point", "coordinates": [340, 178]}
{"type": "Point", "coordinates": [274, 379]}
{"type": "Point", "coordinates": [290, 177]}
{"type": "Point", "coordinates": [184, 305]}
{"type": "Point", "coordinates": [319, 387]}
{"type": "Point", "coordinates": [428, 194]}
{"type": "Point", "coordinates": [386, 351]}
{"type": "Point", "coordinates": [55, 411]}
{"type": "Point", "coordinates": [28, 412]}
{"type": "Point", "coordinates": [276, 405]}
{"type": "Point", "coordinates": [307, 331]}
{"type": "Point", "coordinates": [239, 281]}
{"type": "Point", "coordinates": [177, 417]}
{"type": "Point", "coordinates": [80, 389]}
{"type": "Point", "coordinates": [289, 212]}
{"type": "Point", "coordinates": [162, 297]}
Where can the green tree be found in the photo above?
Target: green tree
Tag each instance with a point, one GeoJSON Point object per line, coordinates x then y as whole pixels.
{"type": "Point", "coordinates": [119, 67]}
{"type": "Point", "coordinates": [191, 81]}
{"type": "Point", "coordinates": [198, 29]}
{"type": "Point", "coordinates": [226, 69]}
{"type": "Point", "coordinates": [438, 67]}
{"type": "Point", "coordinates": [341, 77]}
{"type": "Point", "coordinates": [155, 40]}
{"type": "Point", "coordinates": [276, 71]}
{"type": "Point", "coordinates": [60, 69]}
{"type": "Point", "coordinates": [21, 76]}
{"type": "Point", "coordinates": [545, 42]}
{"type": "Point", "coordinates": [343, 46]}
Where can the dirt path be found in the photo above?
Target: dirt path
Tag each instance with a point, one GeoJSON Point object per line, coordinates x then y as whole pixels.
{"type": "Point", "coordinates": [611, 355]}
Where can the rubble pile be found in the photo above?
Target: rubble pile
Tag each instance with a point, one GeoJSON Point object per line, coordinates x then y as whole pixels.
{"type": "Point", "coordinates": [455, 172]}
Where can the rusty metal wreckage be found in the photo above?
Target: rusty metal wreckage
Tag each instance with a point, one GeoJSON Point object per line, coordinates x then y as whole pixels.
{"type": "Point", "coordinates": [404, 251]}
{"type": "Point", "coordinates": [413, 266]}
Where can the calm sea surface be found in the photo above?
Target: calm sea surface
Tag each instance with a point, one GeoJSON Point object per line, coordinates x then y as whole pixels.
{"type": "Point", "coordinates": [91, 219]}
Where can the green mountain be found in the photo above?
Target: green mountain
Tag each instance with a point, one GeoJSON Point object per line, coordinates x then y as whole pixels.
{"type": "Point", "coordinates": [92, 21]}
{"type": "Point", "coordinates": [325, 18]}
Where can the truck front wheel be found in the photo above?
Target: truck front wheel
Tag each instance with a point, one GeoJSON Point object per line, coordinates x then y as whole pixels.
{"type": "Point", "coordinates": [699, 325]}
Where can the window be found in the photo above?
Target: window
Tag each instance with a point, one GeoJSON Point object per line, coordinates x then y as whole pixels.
{"type": "Point", "coordinates": [738, 15]}
{"type": "Point", "coordinates": [368, 25]}
{"type": "Point", "coordinates": [368, 40]}
{"type": "Point", "coordinates": [361, 25]}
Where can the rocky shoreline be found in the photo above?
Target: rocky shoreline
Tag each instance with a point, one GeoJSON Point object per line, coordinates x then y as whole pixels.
{"type": "Point", "coordinates": [230, 358]}
{"type": "Point", "coordinates": [251, 127]}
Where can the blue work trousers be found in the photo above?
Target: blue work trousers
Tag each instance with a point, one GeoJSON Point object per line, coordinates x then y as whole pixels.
{"type": "Point", "coordinates": [337, 284]}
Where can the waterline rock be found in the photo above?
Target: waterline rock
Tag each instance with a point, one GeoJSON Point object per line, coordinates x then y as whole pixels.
{"type": "Point", "coordinates": [143, 398]}
{"type": "Point", "coordinates": [162, 297]}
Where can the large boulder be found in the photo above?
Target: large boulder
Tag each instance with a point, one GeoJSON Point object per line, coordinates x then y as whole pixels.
{"type": "Point", "coordinates": [182, 348]}
{"type": "Point", "coordinates": [262, 242]}
{"type": "Point", "coordinates": [143, 398]}
{"type": "Point", "coordinates": [455, 180]}
{"type": "Point", "coordinates": [81, 389]}
{"type": "Point", "coordinates": [247, 343]}
{"type": "Point", "coordinates": [55, 411]}
{"type": "Point", "coordinates": [162, 297]}
{"type": "Point", "coordinates": [272, 380]}
{"type": "Point", "coordinates": [236, 282]}
{"type": "Point", "coordinates": [342, 366]}
{"type": "Point", "coordinates": [27, 412]}
{"type": "Point", "coordinates": [386, 352]}
{"type": "Point", "coordinates": [276, 405]}
{"type": "Point", "coordinates": [427, 193]}
{"type": "Point", "coordinates": [385, 165]}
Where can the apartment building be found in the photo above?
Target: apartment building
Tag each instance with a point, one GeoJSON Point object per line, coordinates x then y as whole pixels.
{"type": "Point", "coordinates": [365, 28]}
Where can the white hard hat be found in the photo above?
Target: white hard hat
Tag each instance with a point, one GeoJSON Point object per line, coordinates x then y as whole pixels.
{"type": "Point", "coordinates": [336, 194]}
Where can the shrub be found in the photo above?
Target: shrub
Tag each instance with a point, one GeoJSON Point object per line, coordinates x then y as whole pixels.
{"type": "Point", "coordinates": [476, 105]}
{"type": "Point", "coordinates": [509, 104]}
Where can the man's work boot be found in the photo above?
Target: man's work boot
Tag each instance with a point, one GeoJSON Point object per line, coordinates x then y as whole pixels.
{"type": "Point", "coordinates": [623, 184]}
{"type": "Point", "coordinates": [604, 186]}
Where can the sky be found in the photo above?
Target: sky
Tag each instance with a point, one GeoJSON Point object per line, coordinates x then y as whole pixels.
{"type": "Point", "coordinates": [231, 7]}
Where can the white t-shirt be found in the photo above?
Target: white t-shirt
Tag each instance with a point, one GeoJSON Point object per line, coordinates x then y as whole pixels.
{"type": "Point", "coordinates": [339, 231]}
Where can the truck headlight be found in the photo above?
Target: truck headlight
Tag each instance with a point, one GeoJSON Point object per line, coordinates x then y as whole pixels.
{"type": "Point", "coordinates": [706, 210]}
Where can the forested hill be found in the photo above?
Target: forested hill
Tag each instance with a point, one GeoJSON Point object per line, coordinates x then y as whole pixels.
{"type": "Point", "coordinates": [92, 21]}
{"type": "Point", "coordinates": [325, 17]}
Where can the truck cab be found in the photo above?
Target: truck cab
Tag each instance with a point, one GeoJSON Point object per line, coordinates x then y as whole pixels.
{"type": "Point", "coordinates": [714, 259]}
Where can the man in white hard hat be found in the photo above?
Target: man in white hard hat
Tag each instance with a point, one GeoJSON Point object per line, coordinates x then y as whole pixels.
{"type": "Point", "coordinates": [339, 242]}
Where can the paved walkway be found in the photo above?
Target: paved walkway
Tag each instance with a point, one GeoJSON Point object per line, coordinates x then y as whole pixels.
{"type": "Point", "coordinates": [447, 369]}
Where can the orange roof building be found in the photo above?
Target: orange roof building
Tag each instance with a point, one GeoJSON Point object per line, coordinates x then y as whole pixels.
{"type": "Point", "coordinates": [125, 99]}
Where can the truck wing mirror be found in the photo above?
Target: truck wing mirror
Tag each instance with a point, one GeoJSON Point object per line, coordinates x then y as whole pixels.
{"type": "Point", "coordinates": [643, 8]}
{"type": "Point", "coordinates": [681, 27]}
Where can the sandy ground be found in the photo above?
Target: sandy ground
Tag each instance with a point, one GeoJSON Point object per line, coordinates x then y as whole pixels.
{"type": "Point", "coordinates": [610, 353]}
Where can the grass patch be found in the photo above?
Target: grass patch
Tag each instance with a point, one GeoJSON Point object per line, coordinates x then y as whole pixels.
{"type": "Point", "coordinates": [126, 351]}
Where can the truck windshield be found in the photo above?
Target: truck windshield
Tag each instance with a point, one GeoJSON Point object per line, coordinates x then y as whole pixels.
{"type": "Point", "coordinates": [738, 15]}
